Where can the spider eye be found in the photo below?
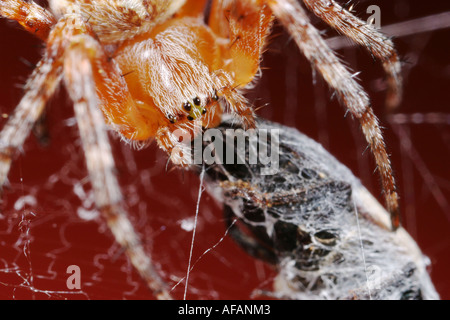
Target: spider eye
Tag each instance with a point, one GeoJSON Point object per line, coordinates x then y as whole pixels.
{"type": "Point", "coordinates": [172, 118]}
{"type": "Point", "coordinates": [215, 96]}
{"type": "Point", "coordinates": [190, 118]}
{"type": "Point", "coordinates": [197, 101]}
{"type": "Point", "coordinates": [187, 106]}
{"type": "Point", "coordinates": [204, 111]}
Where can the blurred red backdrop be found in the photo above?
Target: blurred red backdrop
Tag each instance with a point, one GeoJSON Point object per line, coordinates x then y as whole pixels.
{"type": "Point", "coordinates": [48, 222]}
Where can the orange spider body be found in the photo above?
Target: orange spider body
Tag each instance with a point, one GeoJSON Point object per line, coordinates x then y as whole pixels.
{"type": "Point", "coordinates": [165, 73]}
{"type": "Point", "coordinates": [175, 74]}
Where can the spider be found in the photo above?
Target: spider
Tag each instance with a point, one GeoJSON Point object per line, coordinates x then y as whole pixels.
{"type": "Point", "coordinates": [150, 69]}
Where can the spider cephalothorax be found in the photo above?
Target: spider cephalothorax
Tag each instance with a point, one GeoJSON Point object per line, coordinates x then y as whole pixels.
{"type": "Point", "coordinates": [157, 67]}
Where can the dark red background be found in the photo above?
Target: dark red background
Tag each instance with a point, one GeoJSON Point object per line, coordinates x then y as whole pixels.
{"type": "Point", "coordinates": [39, 241]}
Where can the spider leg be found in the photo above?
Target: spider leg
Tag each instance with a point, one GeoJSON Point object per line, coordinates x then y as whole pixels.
{"type": "Point", "coordinates": [359, 31]}
{"type": "Point", "coordinates": [125, 18]}
{"type": "Point", "coordinates": [30, 15]}
{"type": "Point", "coordinates": [71, 47]}
{"type": "Point", "coordinates": [350, 93]}
{"type": "Point", "coordinates": [80, 59]}
{"type": "Point", "coordinates": [38, 90]}
{"type": "Point", "coordinates": [244, 26]}
{"type": "Point", "coordinates": [217, 19]}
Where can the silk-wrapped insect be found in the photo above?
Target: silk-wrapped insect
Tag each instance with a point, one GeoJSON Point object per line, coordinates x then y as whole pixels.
{"type": "Point", "coordinates": [311, 218]}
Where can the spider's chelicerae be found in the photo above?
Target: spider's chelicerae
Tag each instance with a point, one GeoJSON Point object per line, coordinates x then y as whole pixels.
{"type": "Point", "coordinates": [149, 68]}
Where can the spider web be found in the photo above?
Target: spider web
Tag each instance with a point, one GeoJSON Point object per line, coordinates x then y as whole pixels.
{"type": "Point", "coordinates": [48, 221]}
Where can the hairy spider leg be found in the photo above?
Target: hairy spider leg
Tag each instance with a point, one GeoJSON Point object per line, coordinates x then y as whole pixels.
{"type": "Point", "coordinates": [375, 42]}
{"type": "Point", "coordinates": [116, 20]}
{"type": "Point", "coordinates": [39, 88]}
{"type": "Point", "coordinates": [350, 93]}
{"type": "Point", "coordinates": [99, 159]}
{"type": "Point", "coordinates": [85, 67]}
{"type": "Point", "coordinates": [71, 46]}
{"type": "Point", "coordinates": [246, 24]}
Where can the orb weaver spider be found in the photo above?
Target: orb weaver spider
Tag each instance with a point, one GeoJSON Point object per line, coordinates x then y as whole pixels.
{"type": "Point", "coordinates": [148, 68]}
